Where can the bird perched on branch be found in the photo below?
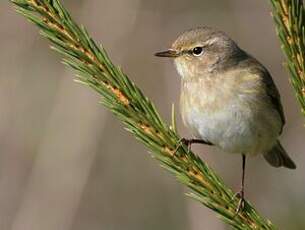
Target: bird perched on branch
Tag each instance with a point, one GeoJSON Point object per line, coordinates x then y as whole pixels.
{"type": "Point", "coordinates": [228, 99]}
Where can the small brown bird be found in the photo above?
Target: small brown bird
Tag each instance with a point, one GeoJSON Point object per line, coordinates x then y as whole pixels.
{"type": "Point", "coordinates": [228, 99]}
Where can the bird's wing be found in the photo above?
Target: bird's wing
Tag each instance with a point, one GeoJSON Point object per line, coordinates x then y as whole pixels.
{"type": "Point", "coordinates": [274, 95]}
{"type": "Point", "coordinates": [272, 92]}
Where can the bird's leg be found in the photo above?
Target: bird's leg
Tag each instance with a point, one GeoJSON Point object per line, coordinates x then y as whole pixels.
{"type": "Point", "coordinates": [241, 193]}
{"type": "Point", "coordinates": [189, 142]}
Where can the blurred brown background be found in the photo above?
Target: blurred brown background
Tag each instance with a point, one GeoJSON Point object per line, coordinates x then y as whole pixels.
{"type": "Point", "coordinates": [66, 163]}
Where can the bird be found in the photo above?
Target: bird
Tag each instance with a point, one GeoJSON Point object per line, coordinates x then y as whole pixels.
{"type": "Point", "coordinates": [228, 99]}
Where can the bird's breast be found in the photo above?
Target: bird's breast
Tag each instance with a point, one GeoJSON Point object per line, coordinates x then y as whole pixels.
{"type": "Point", "coordinates": [229, 112]}
{"type": "Point", "coordinates": [209, 95]}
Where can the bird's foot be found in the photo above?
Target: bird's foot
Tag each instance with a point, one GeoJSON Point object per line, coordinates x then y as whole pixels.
{"type": "Point", "coordinates": [184, 141]}
{"type": "Point", "coordinates": [241, 201]}
{"type": "Point", "coordinates": [189, 142]}
{"type": "Point", "coordinates": [241, 205]}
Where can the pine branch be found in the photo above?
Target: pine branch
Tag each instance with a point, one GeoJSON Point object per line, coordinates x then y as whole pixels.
{"type": "Point", "coordinates": [126, 101]}
{"type": "Point", "coordinates": [289, 18]}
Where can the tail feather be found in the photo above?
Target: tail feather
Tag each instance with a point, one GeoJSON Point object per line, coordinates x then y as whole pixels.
{"type": "Point", "coordinates": [278, 157]}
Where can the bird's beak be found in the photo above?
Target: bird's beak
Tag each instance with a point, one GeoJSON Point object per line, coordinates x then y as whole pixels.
{"type": "Point", "coordinates": [168, 53]}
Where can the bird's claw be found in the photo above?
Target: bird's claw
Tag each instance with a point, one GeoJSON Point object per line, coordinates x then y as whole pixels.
{"type": "Point", "coordinates": [241, 202]}
{"type": "Point", "coordinates": [183, 141]}
{"type": "Point", "coordinates": [241, 205]}
{"type": "Point", "coordinates": [188, 143]}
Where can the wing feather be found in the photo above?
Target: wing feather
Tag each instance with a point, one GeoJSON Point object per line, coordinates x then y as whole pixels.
{"type": "Point", "coordinates": [256, 67]}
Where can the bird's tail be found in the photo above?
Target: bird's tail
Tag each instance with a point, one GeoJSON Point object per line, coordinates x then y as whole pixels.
{"type": "Point", "coordinates": [278, 157]}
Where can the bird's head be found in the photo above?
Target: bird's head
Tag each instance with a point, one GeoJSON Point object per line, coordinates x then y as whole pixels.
{"type": "Point", "coordinates": [201, 50]}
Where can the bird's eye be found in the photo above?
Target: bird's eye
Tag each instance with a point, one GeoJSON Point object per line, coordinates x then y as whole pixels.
{"type": "Point", "coordinates": [197, 51]}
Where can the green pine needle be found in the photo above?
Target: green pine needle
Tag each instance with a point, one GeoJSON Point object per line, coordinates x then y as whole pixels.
{"type": "Point", "coordinates": [122, 97]}
{"type": "Point", "coordinates": [289, 17]}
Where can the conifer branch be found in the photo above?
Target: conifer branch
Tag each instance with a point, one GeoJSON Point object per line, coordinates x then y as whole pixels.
{"type": "Point", "coordinates": [289, 19]}
{"type": "Point", "coordinates": [127, 102]}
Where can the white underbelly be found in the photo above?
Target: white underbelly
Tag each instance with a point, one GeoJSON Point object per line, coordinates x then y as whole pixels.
{"type": "Point", "coordinates": [235, 130]}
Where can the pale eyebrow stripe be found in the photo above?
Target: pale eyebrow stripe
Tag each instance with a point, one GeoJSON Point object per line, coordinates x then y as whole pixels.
{"type": "Point", "coordinates": [210, 41]}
